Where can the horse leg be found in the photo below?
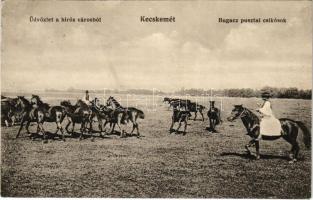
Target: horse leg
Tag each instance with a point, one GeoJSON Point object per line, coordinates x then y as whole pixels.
{"type": "Point", "coordinates": [291, 137]}
{"type": "Point", "coordinates": [27, 127]}
{"type": "Point", "coordinates": [112, 129]}
{"type": "Point", "coordinates": [82, 129]}
{"type": "Point", "coordinates": [202, 116]}
{"type": "Point", "coordinates": [213, 125]}
{"type": "Point", "coordinates": [13, 118]}
{"type": "Point", "coordinates": [90, 126]}
{"type": "Point", "coordinates": [171, 128]}
{"type": "Point", "coordinates": [56, 132]}
{"type": "Point", "coordinates": [195, 116]}
{"type": "Point", "coordinates": [137, 127]}
{"type": "Point", "coordinates": [122, 130]}
{"type": "Point", "coordinates": [42, 130]}
{"type": "Point", "coordinates": [179, 125]}
{"type": "Point", "coordinates": [100, 125]}
{"type": "Point", "coordinates": [104, 125]}
{"type": "Point", "coordinates": [294, 152]}
{"type": "Point", "coordinates": [61, 130]}
{"type": "Point", "coordinates": [249, 145]}
{"type": "Point", "coordinates": [6, 121]}
{"type": "Point", "coordinates": [185, 127]}
{"type": "Point", "coordinates": [91, 133]}
{"type": "Point", "coordinates": [19, 131]}
{"type": "Point", "coordinates": [67, 125]}
{"type": "Point", "coordinates": [257, 149]}
{"type": "Point", "coordinates": [73, 126]}
{"type": "Point", "coordinates": [134, 126]}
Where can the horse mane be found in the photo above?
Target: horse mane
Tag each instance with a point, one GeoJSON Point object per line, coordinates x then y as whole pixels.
{"type": "Point", "coordinates": [66, 103]}
{"type": "Point", "coordinates": [115, 102]}
{"type": "Point", "coordinates": [24, 100]}
{"type": "Point", "coordinates": [252, 115]}
{"type": "Point", "coordinates": [38, 98]}
{"type": "Point", "coordinates": [82, 103]}
{"type": "Point", "coordinates": [40, 102]}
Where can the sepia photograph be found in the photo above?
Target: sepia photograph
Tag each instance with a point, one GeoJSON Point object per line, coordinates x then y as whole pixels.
{"type": "Point", "coordinates": [156, 99]}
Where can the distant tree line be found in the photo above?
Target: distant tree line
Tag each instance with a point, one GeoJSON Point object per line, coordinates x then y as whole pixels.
{"type": "Point", "coordinates": [290, 93]}
{"type": "Point", "coordinates": [110, 91]}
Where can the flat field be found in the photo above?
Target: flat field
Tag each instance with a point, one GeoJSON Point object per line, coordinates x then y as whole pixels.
{"type": "Point", "coordinates": [158, 164]}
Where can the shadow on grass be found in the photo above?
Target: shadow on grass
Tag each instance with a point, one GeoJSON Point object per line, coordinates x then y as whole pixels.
{"type": "Point", "coordinates": [177, 132]}
{"type": "Point", "coordinates": [249, 156]}
{"type": "Point", "coordinates": [211, 130]}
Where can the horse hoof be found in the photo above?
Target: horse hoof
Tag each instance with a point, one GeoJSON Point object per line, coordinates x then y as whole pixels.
{"type": "Point", "coordinates": [45, 141]}
{"type": "Point", "coordinates": [257, 158]}
{"type": "Point", "coordinates": [92, 140]}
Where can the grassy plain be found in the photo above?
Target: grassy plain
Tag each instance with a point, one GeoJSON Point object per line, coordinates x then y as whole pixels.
{"type": "Point", "coordinates": [158, 164]}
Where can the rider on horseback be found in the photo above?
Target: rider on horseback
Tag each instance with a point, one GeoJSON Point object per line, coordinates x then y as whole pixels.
{"type": "Point", "coordinates": [86, 98]}
{"type": "Point", "coordinates": [269, 125]}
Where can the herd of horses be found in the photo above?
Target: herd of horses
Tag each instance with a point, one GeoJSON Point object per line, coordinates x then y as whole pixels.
{"type": "Point", "coordinates": [182, 109]}
{"type": "Point", "coordinates": [114, 114]}
{"type": "Point", "coordinates": [35, 110]}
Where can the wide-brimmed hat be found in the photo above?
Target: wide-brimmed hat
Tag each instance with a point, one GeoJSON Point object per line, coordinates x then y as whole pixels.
{"type": "Point", "coordinates": [265, 95]}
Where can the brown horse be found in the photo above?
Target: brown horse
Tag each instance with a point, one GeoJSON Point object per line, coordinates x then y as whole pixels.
{"type": "Point", "coordinates": [82, 105]}
{"type": "Point", "coordinates": [289, 131]}
{"type": "Point", "coordinates": [179, 116]}
{"type": "Point", "coordinates": [214, 116]}
{"type": "Point", "coordinates": [195, 107]}
{"type": "Point", "coordinates": [30, 114]}
{"type": "Point", "coordinates": [76, 114]}
{"type": "Point", "coordinates": [129, 113]}
{"type": "Point", "coordinates": [55, 114]}
{"type": "Point", "coordinates": [9, 111]}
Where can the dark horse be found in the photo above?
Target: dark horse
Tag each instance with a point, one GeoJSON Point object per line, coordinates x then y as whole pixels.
{"type": "Point", "coordinates": [76, 114]}
{"type": "Point", "coordinates": [180, 116]}
{"type": "Point", "coordinates": [195, 107]}
{"type": "Point", "coordinates": [55, 114]}
{"type": "Point", "coordinates": [9, 110]}
{"type": "Point", "coordinates": [30, 114]}
{"type": "Point", "coordinates": [131, 113]}
{"type": "Point", "coordinates": [214, 116]}
{"type": "Point", "coordinates": [289, 130]}
{"type": "Point", "coordinates": [102, 112]}
{"type": "Point", "coordinates": [180, 104]}
{"type": "Point", "coordinates": [169, 100]}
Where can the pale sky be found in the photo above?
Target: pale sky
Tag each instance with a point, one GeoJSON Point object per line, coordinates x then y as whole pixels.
{"type": "Point", "coordinates": [121, 52]}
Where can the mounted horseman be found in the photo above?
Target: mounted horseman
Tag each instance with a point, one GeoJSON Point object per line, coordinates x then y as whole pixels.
{"type": "Point", "coordinates": [270, 128]}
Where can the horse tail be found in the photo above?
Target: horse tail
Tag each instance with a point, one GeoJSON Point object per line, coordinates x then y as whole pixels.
{"type": "Point", "coordinates": [141, 114]}
{"type": "Point", "coordinates": [306, 134]}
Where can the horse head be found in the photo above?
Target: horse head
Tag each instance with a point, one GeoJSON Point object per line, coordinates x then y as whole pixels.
{"type": "Point", "coordinates": [22, 102]}
{"type": "Point", "coordinates": [66, 103]}
{"type": "Point", "coordinates": [35, 99]}
{"type": "Point", "coordinates": [237, 112]}
{"type": "Point", "coordinates": [212, 104]}
{"type": "Point", "coordinates": [109, 101]}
